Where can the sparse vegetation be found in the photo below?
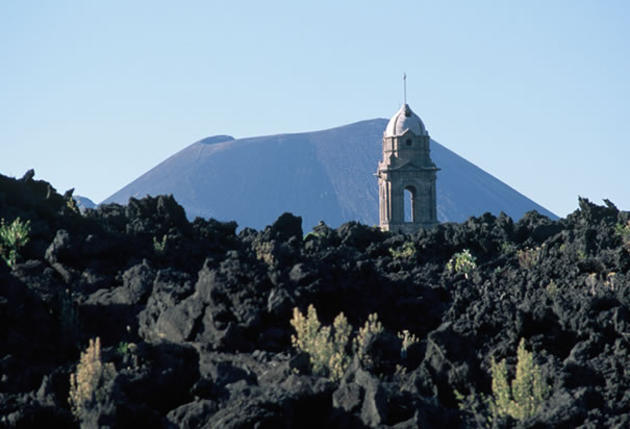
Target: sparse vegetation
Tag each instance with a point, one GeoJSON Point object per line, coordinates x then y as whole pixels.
{"type": "Point", "coordinates": [407, 340]}
{"type": "Point", "coordinates": [12, 238]}
{"type": "Point", "coordinates": [406, 251]}
{"type": "Point", "coordinates": [327, 350]}
{"type": "Point", "coordinates": [610, 280]}
{"type": "Point", "coordinates": [265, 252]}
{"type": "Point", "coordinates": [71, 203]}
{"type": "Point", "coordinates": [122, 348]}
{"type": "Point", "coordinates": [159, 246]}
{"type": "Point", "coordinates": [552, 289]}
{"type": "Point", "coordinates": [462, 262]}
{"type": "Point", "coordinates": [580, 254]}
{"type": "Point", "coordinates": [91, 382]}
{"type": "Point", "coordinates": [128, 353]}
{"type": "Point", "coordinates": [371, 327]}
{"type": "Point", "coordinates": [312, 234]}
{"type": "Point", "coordinates": [623, 231]}
{"type": "Point", "coordinates": [528, 258]}
{"type": "Point", "coordinates": [523, 397]}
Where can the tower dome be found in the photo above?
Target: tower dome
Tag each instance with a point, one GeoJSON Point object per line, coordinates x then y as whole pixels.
{"type": "Point", "coordinates": [405, 120]}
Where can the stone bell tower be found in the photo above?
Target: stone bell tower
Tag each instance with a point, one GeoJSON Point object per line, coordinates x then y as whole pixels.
{"type": "Point", "coordinates": [406, 166]}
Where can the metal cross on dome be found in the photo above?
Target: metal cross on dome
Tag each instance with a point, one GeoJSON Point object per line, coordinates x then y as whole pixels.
{"type": "Point", "coordinates": [404, 88]}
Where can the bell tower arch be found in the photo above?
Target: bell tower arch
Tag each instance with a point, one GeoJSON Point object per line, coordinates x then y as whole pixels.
{"type": "Point", "coordinates": [406, 166]}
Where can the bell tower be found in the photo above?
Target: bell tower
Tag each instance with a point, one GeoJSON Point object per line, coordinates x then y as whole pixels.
{"type": "Point", "coordinates": [406, 175]}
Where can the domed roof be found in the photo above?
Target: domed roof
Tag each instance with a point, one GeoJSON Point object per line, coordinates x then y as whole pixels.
{"type": "Point", "coordinates": [405, 120]}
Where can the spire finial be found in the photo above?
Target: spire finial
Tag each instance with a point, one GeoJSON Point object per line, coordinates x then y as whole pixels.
{"type": "Point", "coordinates": [405, 88]}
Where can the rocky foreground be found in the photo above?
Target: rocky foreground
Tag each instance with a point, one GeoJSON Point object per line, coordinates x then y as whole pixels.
{"type": "Point", "coordinates": [194, 325]}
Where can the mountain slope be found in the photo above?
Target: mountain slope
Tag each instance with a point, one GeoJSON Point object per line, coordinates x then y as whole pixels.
{"type": "Point", "coordinates": [322, 175]}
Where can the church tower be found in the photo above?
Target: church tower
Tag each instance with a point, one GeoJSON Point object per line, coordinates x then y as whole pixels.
{"type": "Point", "coordinates": [406, 175]}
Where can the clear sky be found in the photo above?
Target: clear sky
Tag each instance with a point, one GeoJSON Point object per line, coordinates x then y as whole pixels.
{"type": "Point", "coordinates": [537, 93]}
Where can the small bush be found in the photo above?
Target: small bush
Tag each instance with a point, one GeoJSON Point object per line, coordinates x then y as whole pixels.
{"type": "Point", "coordinates": [91, 383]}
{"type": "Point", "coordinates": [406, 251]}
{"type": "Point", "coordinates": [128, 354]}
{"type": "Point", "coordinates": [552, 289]}
{"type": "Point", "coordinates": [328, 353]}
{"type": "Point", "coordinates": [527, 392]}
{"type": "Point", "coordinates": [159, 246]}
{"type": "Point", "coordinates": [529, 258]}
{"type": "Point", "coordinates": [328, 348]}
{"type": "Point", "coordinates": [407, 340]}
{"type": "Point", "coordinates": [12, 238]}
{"type": "Point", "coordinates": [623, 231]}
{"type": "Point", "coordinates": [71, 203]}
{"type": "Point", "coordinates": [462, 262]}
{"type": "Point", "coordinates": [371, 327]}
{"type": "Point", "coordinates": [313, 234]}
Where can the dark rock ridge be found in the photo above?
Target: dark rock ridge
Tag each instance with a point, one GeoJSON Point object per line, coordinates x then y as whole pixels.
{"type": "Point", "coordinates": [195, 318]}
{"type": "Point", "coordinates": [324, 175]}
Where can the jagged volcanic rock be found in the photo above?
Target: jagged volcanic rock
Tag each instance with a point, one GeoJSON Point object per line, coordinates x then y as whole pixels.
{"type": "Point", "coordinates": [195, 318]}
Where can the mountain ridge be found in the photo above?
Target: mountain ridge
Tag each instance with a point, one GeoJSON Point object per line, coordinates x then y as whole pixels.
{"type": "Point", "coordinates": [320, 175]}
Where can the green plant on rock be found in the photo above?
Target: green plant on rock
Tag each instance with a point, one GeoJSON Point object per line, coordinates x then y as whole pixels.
{"type": "Point", "coordinates": [313, 234]}
{"type": "Point", "coordinates": [92, 381]}
{"type": "Point", "coordinates": [128, 353]}
{"type": "Point", "coordinates": [406, 251]}
{"type": "Point", "coordinates": [552, 289]}
{"type": "Point", "coordinates": [507, 247]}
{"type": "Point", "coordinates": [581, 254]}
{"type": "Point", "coordinates": [462, 262]}
{"type": "Point", "coordinates": [523, 397]}
{"type": "Point", "coordinates": [407, 340]}
{"type": "Point", "coordinates": [123, 348]}
{"type": "Point", "coordinates": [71, 203]}
{"type": "Point", "coordinates": [529, 258]}
{"type": "Point", "coordinates": [328, 347]}
{"type": "Point", "coordinates": [371, 327]}
{"type": "Point", "coordinates": [159, 246]}
{"type": "Point", "coordinates": [12, 238]}
{"type": "Point", "coordinates": [327, 350]}
{"type": "Point", "coordinates": [623, 231]}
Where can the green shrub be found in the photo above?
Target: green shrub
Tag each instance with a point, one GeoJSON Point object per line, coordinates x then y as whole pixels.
{"type": "Point", "coordinates": [527, 392]}
{"type": "Point", "coordinates": [313, 234]}
{"type": "Point", "coordinates": [407, 250]}
{"type": "Point", "coordinates": [529, 258]}
{"type": "Point", "coordinates": [371, 327]}
{"type": "Point", "coordinates": [159, 246]}
{"type": "Point", "coordinates": [123, 348]}
{"type": "Point", "coordinates": [92, 381]}
{"type": "Point", "coordinates": [623, 231]}
{"type": "Point", "coordinates": [329, 348]}
{"type": "Point", "coordinates": [12, 238]}
{"type": "Point", "coordinates": [407, 340]}
{"type": "Point", "coordinates": [552, 289]}
{"type": "Point", "coordinates": [71, 203]}
{"type": "Point", "coordinates": [462, 262]}
{"type": "Point", "coordinates": [128, 354]}
{"type": "Point", "coordinates": [327, 351]}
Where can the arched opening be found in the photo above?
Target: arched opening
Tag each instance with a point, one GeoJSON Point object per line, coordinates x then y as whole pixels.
{"type": "Point", "coordinates": [409, 197]}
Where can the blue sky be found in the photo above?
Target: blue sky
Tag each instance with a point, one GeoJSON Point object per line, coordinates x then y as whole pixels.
{"type": "Point", "coordinates": [537, 93]}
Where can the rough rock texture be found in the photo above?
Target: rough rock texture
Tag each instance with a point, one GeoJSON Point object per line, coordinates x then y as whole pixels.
{"type": "Point", "coordinates": [195, 318]}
